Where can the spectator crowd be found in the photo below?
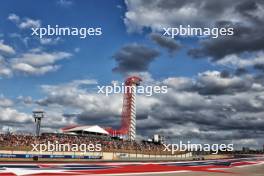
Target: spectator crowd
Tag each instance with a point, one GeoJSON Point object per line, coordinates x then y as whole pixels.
{"type": "Point", "coordinates": [24, 142]}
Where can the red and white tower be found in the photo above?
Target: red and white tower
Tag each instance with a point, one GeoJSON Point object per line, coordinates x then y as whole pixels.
{"type": "Point", "coordinates": [128, 122]}
{"type": "Point", "coordinates": [129, 107]}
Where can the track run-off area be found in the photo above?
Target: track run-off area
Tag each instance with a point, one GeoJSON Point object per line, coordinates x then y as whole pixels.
{"type": "Point", "coordinates": [253, 166]}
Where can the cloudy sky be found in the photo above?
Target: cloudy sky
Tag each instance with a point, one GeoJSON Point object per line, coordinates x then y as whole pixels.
{"type": "Point", "coordinates": [216, 86]}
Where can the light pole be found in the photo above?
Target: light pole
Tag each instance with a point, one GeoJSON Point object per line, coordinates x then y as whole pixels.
{"type": "Point", "coordinates": [38, 115]}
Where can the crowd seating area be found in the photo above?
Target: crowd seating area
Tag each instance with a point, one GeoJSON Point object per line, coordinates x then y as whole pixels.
{"type": "Point", "coordinates": [23, 142]}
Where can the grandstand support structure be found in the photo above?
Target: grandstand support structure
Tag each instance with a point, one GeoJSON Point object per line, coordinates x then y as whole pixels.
{"type": "Point", "coordinates": [128, 116]}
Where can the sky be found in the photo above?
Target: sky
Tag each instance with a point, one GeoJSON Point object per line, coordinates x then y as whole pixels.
{"type": "Point", "coordinates": [215, 85]}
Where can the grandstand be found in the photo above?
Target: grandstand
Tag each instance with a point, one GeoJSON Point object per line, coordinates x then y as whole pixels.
{"type": "Point", "coordinates": [15, 146]}
{"type": "Point", "coordinates": [23, 142]}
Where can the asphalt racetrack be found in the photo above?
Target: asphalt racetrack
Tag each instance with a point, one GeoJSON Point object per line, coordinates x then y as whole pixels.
{"type": "Point", "coordinates": [244, 167]}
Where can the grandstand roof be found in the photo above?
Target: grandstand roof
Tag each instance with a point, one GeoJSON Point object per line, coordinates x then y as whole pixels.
{"type": "Point", "coordinates": [86, 128]}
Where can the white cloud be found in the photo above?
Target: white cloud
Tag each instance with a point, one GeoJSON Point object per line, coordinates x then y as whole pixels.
{"type": "Point", "coordinates": [24, 40]}
{"type": "Point", "coordinates": [13, 17]}
{"type": "Point", "coordinates": [6, 49]}
{"type": "Point", "coordinates": [64, 3]}
{"type": "Point", "coordinates": [12, 115]}
{"type": "Point", "coordinates": [214, 78]}
{"type": "Point", "coordinates": [77, 50]}
{"type": "Point", "coordinates": [41, 58]}
{"type": "Point", "coordinates": [179, 83]}
{"type": "Point", "coordinates": [29, 23]}
{"type": "Point", "coordinates": [72, 95]}
{"type": "Point", "coordinates": [5, 102]}
{"type": "Point", "coordinates": [5, 71]}
{"type": "Point", "coordinates": [49, 41]}
{"type": "Point", "coordinates": [29, 69]}
{"type": "Point", "coordinates": [37, 62]}
{"type": "Point", "coordinates": [25, 100]}
{"type": "Point", "coordinates": [240, 62]}
{"type": "Point", "coordinates": [164, 13]}
{"type": "Point", "coordinates": [25, 22]}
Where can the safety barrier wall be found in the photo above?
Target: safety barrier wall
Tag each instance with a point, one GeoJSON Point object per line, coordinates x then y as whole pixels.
{"type": "Point", "coordinates": [91, 155]}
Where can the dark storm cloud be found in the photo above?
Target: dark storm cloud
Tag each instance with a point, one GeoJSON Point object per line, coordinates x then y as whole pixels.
{"type": "Point", "coordinates": [213, 83]}
{"type": "Point", "coordinates": [241, 71]}
{"type": "Point", "coordinates": [206, 120]}
{"type": "Point", "coordinates": [134, 58]}
{"type": "Point", "coordinates": [224, 108]}
{"type": "Point", "coordinates": [260, 79]}
{"type": "Point", "coordinates": [171, 45]}
{"type": "Point", "coordinates": [247, 9]}
{"type": "Point", "coordinates": [169, 3]}
{"type": "Point", "coordinates": [259, 67]}
{"type": "Point", "coordinates": [100, 118]}
{"type": "Point", "coordinates": [141, 116]}
{"type": "Point", "coordinates": [220, 137]}
{"type": "Point", "coordinates": [69, 115]}
{"type": "Point", "coordinates": [246, 17]}
{"type": "Point", "coordinates": [225, 74]}
{"type": "Point", "coordinates": [246, 39]}
{"type": "Point", "coordinates": [248, 34]}
{"type": "Point", "coordinates": [205, 88]}
{"type": "Point", "coordinates": [247, 6]}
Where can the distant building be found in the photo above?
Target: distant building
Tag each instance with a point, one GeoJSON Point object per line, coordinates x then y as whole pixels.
{"type": "Point", "coordinates": [94, 129]}
{"type": "Point", "coordinates": [158, 139]}
{"type": "Point", "coordinates": [245, 149]}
